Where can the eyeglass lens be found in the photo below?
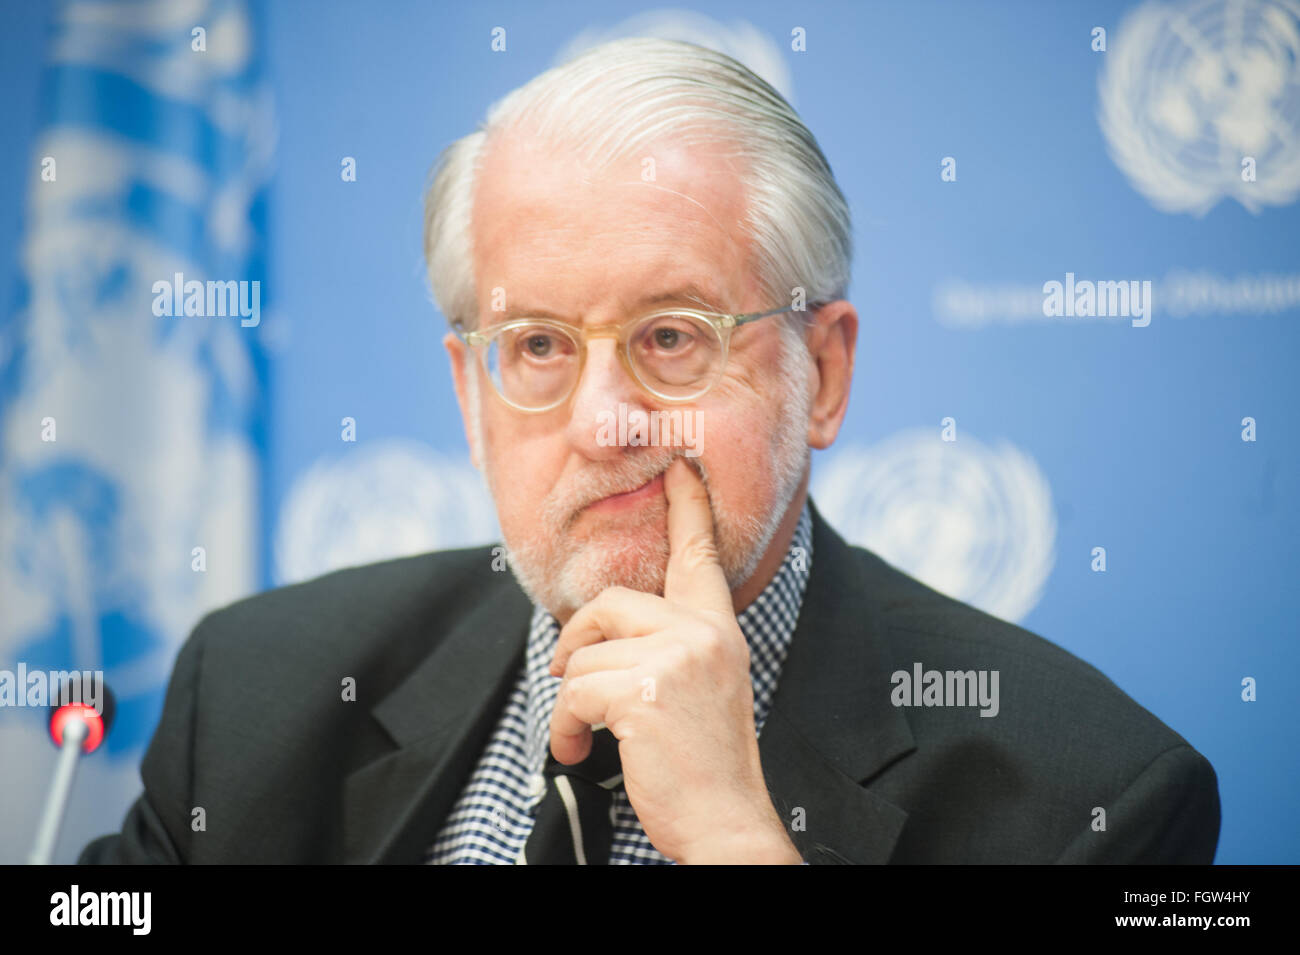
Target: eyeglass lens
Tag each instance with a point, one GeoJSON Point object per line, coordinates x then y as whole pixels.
{"type": "Point", "coordinates": [675, 355]}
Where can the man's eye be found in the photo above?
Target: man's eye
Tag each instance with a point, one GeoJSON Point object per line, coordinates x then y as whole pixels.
{"type": "Point", "coordinates": [670, 337]}
{"type": "Point", "coordinates": [666, 337]}
{"type": "Point", "coordinates": [539, 346]}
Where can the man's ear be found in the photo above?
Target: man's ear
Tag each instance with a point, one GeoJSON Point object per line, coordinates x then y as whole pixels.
{"type": "Point", "coordinates": [460, 370]}
{"type": "Point", "coordinates": [832, 345]}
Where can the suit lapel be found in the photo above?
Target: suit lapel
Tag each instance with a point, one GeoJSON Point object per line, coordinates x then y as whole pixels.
{"type": "Point", "coordinates": [440, 718]}
{"type": "Point", "coordinates": [832, 726]}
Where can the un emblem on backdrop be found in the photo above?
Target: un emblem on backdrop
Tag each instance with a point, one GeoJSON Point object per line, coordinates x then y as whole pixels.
{"type": "Point", "coordinates": [972, 521]}
{"type": "Point", "coordinates": [1201, 101]}
{"type": "Point", "coordinates": [381, 499]}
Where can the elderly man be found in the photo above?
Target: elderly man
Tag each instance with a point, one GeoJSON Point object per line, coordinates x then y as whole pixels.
{"type": "Point", "coordinates": [644, 259]}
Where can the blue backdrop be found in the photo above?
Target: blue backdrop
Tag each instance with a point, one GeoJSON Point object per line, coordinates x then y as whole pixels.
{"type": "Point", "coordinates": [985, 150]}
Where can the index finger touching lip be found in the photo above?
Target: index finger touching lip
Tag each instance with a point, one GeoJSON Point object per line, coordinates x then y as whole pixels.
{"type": "Point", "coordinates": [695, 576]}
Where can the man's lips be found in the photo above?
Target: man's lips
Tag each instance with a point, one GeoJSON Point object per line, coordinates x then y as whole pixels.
{"type": "Point", "coordinates": [630, 499]}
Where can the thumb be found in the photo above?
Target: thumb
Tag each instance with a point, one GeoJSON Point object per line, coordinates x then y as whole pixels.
{"type": "Point", "coordinates": [695, 577]}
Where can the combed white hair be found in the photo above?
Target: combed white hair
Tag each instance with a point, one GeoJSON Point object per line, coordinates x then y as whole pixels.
{"type": "Point", "coordinates": [621, 96]}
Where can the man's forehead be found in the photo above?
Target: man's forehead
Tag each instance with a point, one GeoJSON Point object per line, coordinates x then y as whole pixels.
{"type": "Point", "coordinates": [674, 236]}
{"type": "Point", "coordinates": [529, 153]}
{"type": "Point", "coordinates": [526, 186]}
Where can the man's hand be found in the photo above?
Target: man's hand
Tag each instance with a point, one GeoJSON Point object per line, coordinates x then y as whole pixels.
{"type": "Point", "coordinates": [670, 678]}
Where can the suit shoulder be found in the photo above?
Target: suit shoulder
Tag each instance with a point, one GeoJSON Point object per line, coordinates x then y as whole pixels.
{"type": "Point", "coordinates": [355, 609]}
{"type": "Point", "coordinates": [1018, 774]}
{"type": "Point", "coordinates": [1046, 690]}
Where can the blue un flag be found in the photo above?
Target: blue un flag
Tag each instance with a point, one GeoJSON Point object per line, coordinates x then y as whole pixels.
{"type": "Point", "coordinates": [131, 379]}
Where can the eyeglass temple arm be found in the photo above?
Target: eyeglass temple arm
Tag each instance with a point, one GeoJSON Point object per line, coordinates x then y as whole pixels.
{"type": "Point", "coordinates": [755, 316]}
{"type": "Point", "coordinates": [466, 335]}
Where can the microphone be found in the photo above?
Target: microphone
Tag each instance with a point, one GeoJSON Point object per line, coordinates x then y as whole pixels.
{"type": "Point", "coordinates": [76, 728]}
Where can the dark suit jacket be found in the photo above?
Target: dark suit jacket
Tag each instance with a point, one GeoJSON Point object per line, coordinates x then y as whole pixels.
{"type": "Point", "coordinates": [256, 733]}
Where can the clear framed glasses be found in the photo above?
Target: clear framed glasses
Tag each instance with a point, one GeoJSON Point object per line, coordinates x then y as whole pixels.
{"type": "Point", "coordinates": [676, 354]}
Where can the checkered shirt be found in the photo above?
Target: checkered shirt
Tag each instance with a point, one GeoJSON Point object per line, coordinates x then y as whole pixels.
{"type": "Point", "coordinates": [493, 817]}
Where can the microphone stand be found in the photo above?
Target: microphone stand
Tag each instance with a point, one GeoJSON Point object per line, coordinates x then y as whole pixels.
{"type": "Point", "coordinates": [47, 833]}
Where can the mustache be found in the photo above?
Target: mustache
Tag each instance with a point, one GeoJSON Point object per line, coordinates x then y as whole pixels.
{"type": "Point", "coordinates": [580, 490]}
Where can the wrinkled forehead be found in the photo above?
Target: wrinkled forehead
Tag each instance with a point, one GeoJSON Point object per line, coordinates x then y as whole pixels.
{"type": "Point", "coordinates": [548, 223]}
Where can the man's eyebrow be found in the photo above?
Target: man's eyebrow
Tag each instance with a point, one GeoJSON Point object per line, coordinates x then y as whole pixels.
{"type": "Point", "coordinates": [689, 294]}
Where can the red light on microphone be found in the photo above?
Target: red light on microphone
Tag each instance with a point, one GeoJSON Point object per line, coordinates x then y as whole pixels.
{"type": "Point", "coordinates": [78, 711]}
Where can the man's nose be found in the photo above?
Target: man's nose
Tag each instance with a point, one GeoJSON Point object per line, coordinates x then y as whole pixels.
{"type": "Point", "coordinates": [604, 385]}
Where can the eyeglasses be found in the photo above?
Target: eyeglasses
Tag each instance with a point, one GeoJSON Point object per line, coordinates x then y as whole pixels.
{"type": "Point", "coordinates": [676, 354]}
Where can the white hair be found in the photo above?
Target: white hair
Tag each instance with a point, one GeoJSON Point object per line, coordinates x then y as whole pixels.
{"type": "Point", "coordinates": [620, 97]}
